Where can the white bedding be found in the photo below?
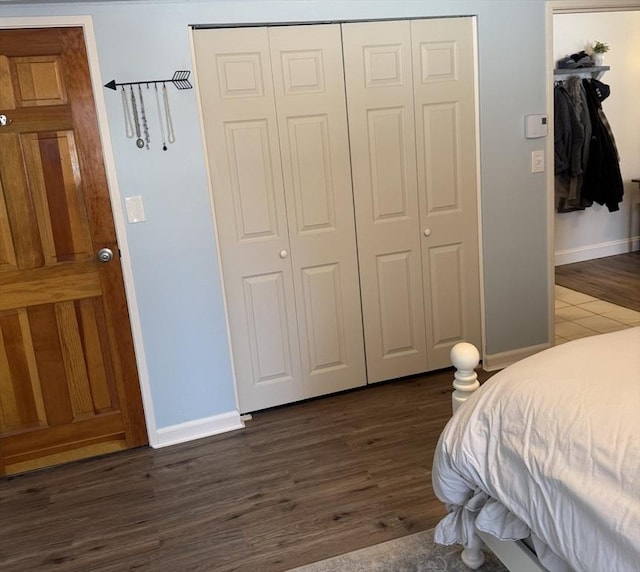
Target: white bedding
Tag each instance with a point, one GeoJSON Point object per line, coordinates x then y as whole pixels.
{"type": "Point", "coordinates": [550, 446]}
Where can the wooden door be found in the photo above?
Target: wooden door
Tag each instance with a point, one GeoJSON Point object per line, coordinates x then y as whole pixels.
{"type": "Point", "coordinates": [378, 73]}
{"type": "Point", "coordinates": [445, 110]}
{"type": "Point", "coordinates": [68, 378]}
{"type": "Point", "coordinates": [273, 109]}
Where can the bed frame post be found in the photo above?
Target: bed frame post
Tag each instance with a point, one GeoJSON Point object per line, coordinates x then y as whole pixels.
{"type": "Point", "coordinates": [472, 555]}
{"type": "Point", "coordinates": [465, 358]}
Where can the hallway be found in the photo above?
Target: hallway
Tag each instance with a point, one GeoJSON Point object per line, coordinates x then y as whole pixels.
{"type": "Point", "coordinates": [579, 315]}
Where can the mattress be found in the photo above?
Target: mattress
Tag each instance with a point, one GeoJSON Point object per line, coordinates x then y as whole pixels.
{"type": "Point", "coordinates": [550, 448]}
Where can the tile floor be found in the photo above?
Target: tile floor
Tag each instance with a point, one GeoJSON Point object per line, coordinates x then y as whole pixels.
{"type": "Point", "coordinates": [579, 315]}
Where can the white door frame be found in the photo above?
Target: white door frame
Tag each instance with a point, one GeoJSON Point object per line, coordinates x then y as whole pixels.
{"type": "Point", "coordinates": [86, 23]}
{"type": "Point", "coordinates": [564, 7]}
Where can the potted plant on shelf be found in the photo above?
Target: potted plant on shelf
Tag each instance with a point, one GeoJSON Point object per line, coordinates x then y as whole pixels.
{"type": "Point", "coordinates": [599, 50]}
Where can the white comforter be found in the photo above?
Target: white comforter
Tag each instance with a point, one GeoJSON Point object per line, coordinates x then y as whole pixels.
{"type": "Point", "coordinates": [550, 446]}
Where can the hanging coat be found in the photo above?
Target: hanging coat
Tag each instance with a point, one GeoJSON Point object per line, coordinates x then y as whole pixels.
{"type": "Point", "coordinates": [602, 179]}
{"type": "Point", "coordinates": [568, 146]}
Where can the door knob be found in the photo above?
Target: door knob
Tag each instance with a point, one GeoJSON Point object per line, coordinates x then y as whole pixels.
{"type": "Point", "coordinates": [4, 120]}
{"type": "Point", "coordinates": [105, 255]}
{"type": "Point", "coordinates": [427, 232]}
{"type": "Point", "coordinates": [283, 254]}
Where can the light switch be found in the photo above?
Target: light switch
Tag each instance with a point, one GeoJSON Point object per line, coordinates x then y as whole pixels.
{"type": "Point", "coordinates": [537, 161]}
{"type": "Point", "coordinates": [135, 209]}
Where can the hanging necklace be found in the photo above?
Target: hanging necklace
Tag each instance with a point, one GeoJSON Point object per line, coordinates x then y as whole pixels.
{"type": "Point", "coordinates": [128, 126]}
{"type": "Point", "coordinates": [164, 142]}
{"type": "Point", "coordinates": [136, 120]}
{"type": "Point", "coordinates": [171, 135]}
{"type": "Point", "coordinates": [143, 115]}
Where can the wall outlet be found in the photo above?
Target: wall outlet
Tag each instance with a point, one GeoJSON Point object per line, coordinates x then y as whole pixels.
{"type": "Point", "coordinates": [537, 161]}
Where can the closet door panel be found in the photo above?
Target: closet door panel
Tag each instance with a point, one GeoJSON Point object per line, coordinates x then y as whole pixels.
{"type": "Point", "coordinates": [251, 180]}
{"type": "Point", "coordinates": [444, 88]}
{"type": "Point", "coordinates": [324, 318]}
{"type": "Point", "coordinates": [378, 71]}
{"type": "Point", "coordinates": [268, 327]}
{"type": "Point", "coordinates": [387, 140]}
{"type": "Point", "coordinates": [446, 277]}
{"type": "Point", "coordinates": [310, 175]}
{"type": "Point", "coordinates": [310, 101]}
{"type": "Point", "coordinates": [234, 77]}
{"type": "Point", "coordinates": [396, 284]}
{"type": "Point", "coordinates": [440, 157]}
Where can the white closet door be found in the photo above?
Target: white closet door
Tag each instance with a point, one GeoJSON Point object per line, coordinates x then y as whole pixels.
{"type": "Point", "coordinates": [310, 102]}
{"type": "Point", "coordinates": [234, 76]}
{"type": "Point", "coordinates": [378, 66]}
{"type": "Point", "coordinates": [444, 90]}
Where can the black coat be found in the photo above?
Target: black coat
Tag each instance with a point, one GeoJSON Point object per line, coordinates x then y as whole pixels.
{"type": "Point", "coordinates": [602, 179]}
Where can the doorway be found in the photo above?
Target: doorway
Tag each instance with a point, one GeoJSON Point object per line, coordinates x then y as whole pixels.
{"type": "Point", "coordinates": [594, 233]}
{"type": "Point", "coordinates": [69, 383]}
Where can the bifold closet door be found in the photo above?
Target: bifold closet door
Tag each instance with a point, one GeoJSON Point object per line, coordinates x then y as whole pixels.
{"type": "Point", "coordinates": [444, 93]}
{"type": "Point", "coordinates": [275, 125]}
{"type": "Point", "coordinates": [411, 107]}
{"type": "Point", "coordinates": [378, 71]}
{"type": "Point", "coordinates": [236, 91]}
{"type": "Point", "coordinates": [312, 118]}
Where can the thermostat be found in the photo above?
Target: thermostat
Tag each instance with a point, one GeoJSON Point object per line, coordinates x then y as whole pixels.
{"type": "Point", "coordinates": [535, 126]}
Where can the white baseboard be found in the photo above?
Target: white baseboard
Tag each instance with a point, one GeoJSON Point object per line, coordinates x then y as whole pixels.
{"type": "Point", "coordinates": [197, 429]}
{"type": "Point", "coordinates": [500, 361]}
{"type": "Point", "coordinates": [599, 250]}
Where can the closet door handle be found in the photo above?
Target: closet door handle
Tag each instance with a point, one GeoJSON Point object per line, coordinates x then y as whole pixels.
{"type": "Point", "coordinates": [283, 254]}
{"type": "Point", "coordinates": [427, 232]}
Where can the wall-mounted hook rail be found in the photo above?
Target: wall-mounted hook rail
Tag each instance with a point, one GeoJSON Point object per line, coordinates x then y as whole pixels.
{"type": "Point", "coordinates": [136, 119]}
{"type": "Point", "coordinates": [180, 79]}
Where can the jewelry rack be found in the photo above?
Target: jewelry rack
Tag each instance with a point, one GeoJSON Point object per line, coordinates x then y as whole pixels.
{"type": "Point", "coordinates": [136, 121]}
{"type": "Point", "coordinates": [180, 79]}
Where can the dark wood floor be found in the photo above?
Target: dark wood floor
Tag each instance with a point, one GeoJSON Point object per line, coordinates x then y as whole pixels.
{"type": "Point", "coordinates": [298, 484]}
{"type": "Point", "coordinates": [615, 279]}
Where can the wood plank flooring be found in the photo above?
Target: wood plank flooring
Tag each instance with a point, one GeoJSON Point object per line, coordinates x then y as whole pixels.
{"type": "Point", "coordinates": [615, 279]}
{"type": "Point", "coordinates": [300, 483]}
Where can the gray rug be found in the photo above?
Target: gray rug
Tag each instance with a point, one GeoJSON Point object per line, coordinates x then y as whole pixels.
{"type": "Point", "coordinates": [414, 553]}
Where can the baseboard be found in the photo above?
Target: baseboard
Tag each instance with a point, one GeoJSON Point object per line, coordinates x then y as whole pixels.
{"type": "Point", "coordinates": [492, 362]}
{"type": "Point", "coordinates": [197, 429]}
{"type": "Point", "coordinates": [599, 250]}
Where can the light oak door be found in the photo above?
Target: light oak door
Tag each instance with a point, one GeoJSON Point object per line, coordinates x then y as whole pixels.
{"type": "Point", "coordinates": [273, 109]}
{"type": "Point", "coordinates": [410, 94]}
{"type": "Point", "coordinates": [68, 378]}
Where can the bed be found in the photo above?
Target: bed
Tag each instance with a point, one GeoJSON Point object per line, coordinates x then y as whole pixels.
{"type": "Point", "coordinates": [544, 458]}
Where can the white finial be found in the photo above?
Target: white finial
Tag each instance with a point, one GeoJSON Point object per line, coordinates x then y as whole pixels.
{"type": "Point", "coordinates": [465, 358]}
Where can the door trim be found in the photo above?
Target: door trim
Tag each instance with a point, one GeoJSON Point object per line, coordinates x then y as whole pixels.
{"type": "Point", "coordinates": [476, 98]}
{"type": "Point", "coordinates": [86, 23]}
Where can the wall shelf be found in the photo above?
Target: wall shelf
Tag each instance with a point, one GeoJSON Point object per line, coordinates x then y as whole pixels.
{"type": "Point", "coordinates": [595, 72]}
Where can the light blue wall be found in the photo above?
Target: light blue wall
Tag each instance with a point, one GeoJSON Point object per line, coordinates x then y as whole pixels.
{"type": "Point", "coordinates": [173, 254]}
